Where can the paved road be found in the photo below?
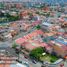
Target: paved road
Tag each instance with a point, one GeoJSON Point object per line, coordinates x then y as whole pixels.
{"type": "Point", "coordinates": [9, 43]}
{"type": "Point", "coordinates": [65, 64]}
{"type": "Point", "coordinates": [38, 64]}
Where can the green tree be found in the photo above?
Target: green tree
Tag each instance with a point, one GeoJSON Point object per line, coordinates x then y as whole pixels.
{"type": "Point", "coordinates": [36, 53]}
{"type": "Point", "coordinates": [12, 18]}
{"type": "Point", "coordinates": [7, 15]}
{"type": "Point", "coordinates": [14, 45]}
{"type": "Point", "coordinates": [38, 27]}
{"type": "Point", "coordinates": [37, 12]}
{"type": "Point", "coordinates": [48, 14]}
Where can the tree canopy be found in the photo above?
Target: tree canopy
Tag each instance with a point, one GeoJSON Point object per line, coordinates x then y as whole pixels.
{"type": "Point", "coordinates": [38, 27]}
{"type": "Point", "coordinates": [37, 53]}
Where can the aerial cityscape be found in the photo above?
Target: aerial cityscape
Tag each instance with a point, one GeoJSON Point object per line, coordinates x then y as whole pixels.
{"type": "Point", "coordinates": [33, 33]}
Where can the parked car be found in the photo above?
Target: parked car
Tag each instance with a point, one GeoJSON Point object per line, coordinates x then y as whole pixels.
{"type": "Point", "coordinates": [34, 61]}
{"type": "Point", "coordinates": [25, 56]}
{"type": "Point", "coordinates": [25, 63]}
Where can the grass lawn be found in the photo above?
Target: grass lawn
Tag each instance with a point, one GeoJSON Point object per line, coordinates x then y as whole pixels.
{"type": "Point", "coordinates": [49, 58]}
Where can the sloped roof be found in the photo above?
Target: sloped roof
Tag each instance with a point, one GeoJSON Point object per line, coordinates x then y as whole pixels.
{"type": "Point", "coordinates": [28, 37]}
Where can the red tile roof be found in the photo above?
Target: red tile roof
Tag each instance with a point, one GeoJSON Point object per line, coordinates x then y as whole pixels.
{"type": "Point", "coordinates": [36, 22]}
{"type": "Point", "coordinates": [29, 36]}
{"type": "Point", "coordinates": [62, 45]}
{"type": "Point", "coordinates": [20, 40]}
{"type": "Point", "coordinates": [30, 44]}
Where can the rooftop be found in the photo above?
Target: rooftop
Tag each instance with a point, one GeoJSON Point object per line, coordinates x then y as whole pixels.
{"type": "Point", "coordinates": [32, 40]}
{"type": "Point", "coordinates": [47, 24]}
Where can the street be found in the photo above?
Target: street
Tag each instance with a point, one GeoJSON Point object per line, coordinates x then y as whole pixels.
{"type": "Point", "coordinates": [21, 58]}
{"type": "Point", "coordinates": [65, 64]}
{"type": "Point", "coordinates": [9, 43]}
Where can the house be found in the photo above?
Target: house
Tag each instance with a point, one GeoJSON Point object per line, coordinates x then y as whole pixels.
{"type": "Point", "coordinates": [7, 56]}
{"type": "Point", "coordinates": [14, 26]}
{"type": "Point", "coordinates": [18, 5]}
{"type": "Point", "coordinates": [18, 65]}
{"type": "Point", "coordinates": [61, 40]}
{"type": "Point", "coordinates": [46, 26]}
{"type": "Point", "coordinates": [61, 19]}
{"type": "Point", "coordinates": [3, 32]}
{"type": "Point", "coordinates": [35, 23]}
{"type": "Point", "coordinates": [33, 40]}
{"type": "Point", "coordinates": [13, 13]}
{"type": "Point", "coordinates": [58, 63]}
{"type": "Point", "coordinates": [24, 14]}
{"type": "Point", "coordinates": [59, 49]}
{"type": "Point", "coordinates": [25, 26]}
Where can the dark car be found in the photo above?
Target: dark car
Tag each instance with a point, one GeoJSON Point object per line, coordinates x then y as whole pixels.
{"type": "Point", "coordinates": [25, 56]}
{"type": "Point", "coordinates": [34, 61]}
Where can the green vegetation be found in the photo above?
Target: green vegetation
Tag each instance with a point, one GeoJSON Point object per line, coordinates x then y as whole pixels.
{"type": "Point", "coordinates": [38, 27]}
{"type": "Point", "coordinates": [43, 13]}
{"type": "Point", "coordinates": [4, 19]}
{"type": "Point", "coordinates": [48, 14]}
{"type": "Point", "coordinates": [37, 12]}
{"type": "Point", "coordinates": [49, 58]}
{"type": "Point", "coordinates": [7, 17]}
{"type": "Point", "coordinates": [14, 45]}
{"type": "Point", "coordinates": [1, 5]}
{"type": "Point", "coordinates": [12, 18]}
{"type": "Point", "coordinates": [37, 53]}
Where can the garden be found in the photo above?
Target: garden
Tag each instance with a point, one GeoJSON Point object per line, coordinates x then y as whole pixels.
{"type": "Point", "coordinates": [48, 57]}
{"type": "Point", "coordinates": [41, 55]}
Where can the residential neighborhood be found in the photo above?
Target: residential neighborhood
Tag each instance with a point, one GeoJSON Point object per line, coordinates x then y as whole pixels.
{"type": "Point", "coordinates": [33, 34]}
